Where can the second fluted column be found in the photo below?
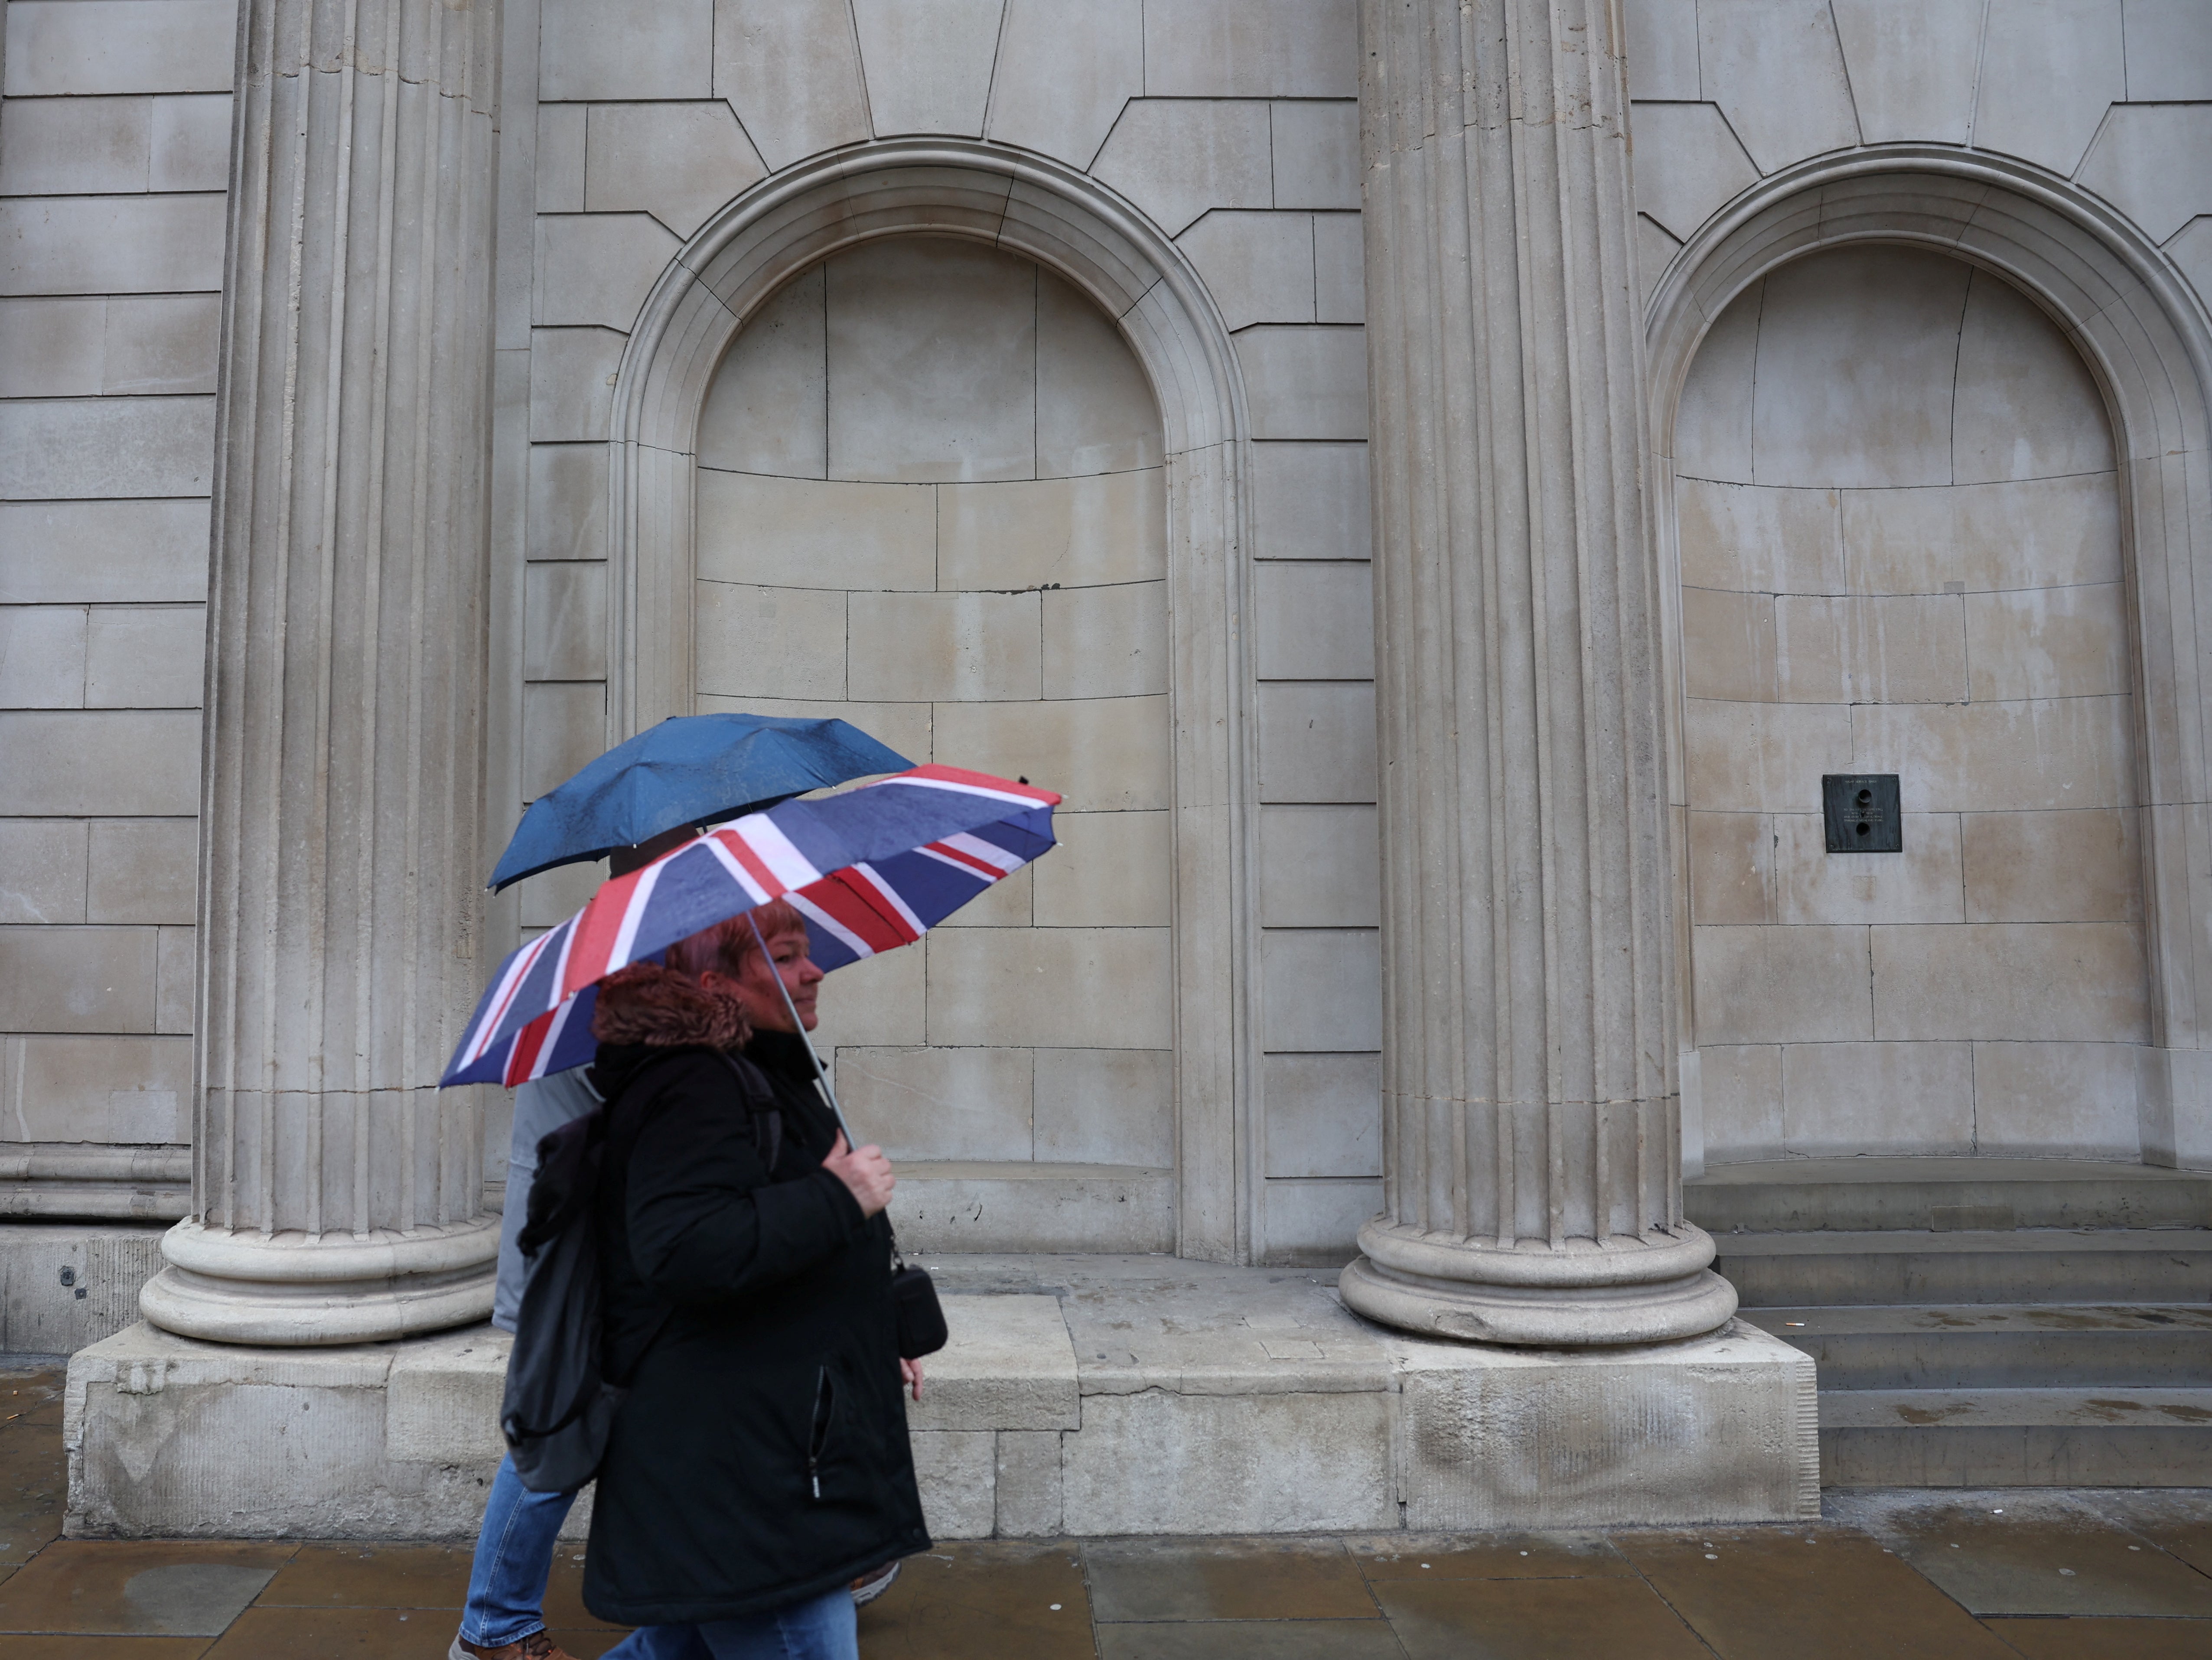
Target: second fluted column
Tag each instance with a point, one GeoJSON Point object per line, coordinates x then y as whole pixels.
{"type": "Point", "coordinates": [1533, 1179]}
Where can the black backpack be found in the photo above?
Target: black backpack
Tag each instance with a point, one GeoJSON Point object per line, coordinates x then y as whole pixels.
{"type": "Point", "coordinates": [559, 1406]}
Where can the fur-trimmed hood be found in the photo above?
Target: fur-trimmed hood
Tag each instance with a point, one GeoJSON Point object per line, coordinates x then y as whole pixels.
{"type": "Point", "coordinates": [657, 1007]}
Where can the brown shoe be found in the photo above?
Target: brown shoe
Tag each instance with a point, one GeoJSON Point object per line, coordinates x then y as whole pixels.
{"type": "Point", "coordinates": [870, 1586]}
{"type": "Point", "coordinates": [536, 1646]}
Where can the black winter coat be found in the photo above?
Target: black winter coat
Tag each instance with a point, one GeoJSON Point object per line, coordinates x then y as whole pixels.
{"type": "Point", "coordinates": [762, 1455]}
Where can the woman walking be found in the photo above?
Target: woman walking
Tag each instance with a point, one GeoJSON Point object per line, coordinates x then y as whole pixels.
{"type": "Point", "coordinates": [760, 1464]}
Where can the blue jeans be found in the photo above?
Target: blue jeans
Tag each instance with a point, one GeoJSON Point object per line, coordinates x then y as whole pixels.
{"type": "Point", "coordinates": [514, 1556]}
{"type": "Point", "coordinates": [826, 1628]}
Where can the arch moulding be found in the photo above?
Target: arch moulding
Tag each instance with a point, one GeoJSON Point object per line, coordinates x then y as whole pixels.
{"type": "Point", "coordinates": [1068, 223]}
{"type": "Point", "coordinates": [2148, 341]}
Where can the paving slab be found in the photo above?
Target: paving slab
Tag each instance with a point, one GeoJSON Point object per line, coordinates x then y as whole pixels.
{"type": "Point", "coordinates": [1535, 1620]}
{"type": "Point", "coordinates": [1251, 1640]}
{"type": "Point", "coordinates": [2178, 1521]}
{"type": "Point", "coordinates": [1821, 1593]}
{"type": "Point", "coordinates": [2105, 1640]}
{"type": "Point", "coordinates": [261, 1633]}
{"type": "Point", "coordinates": [33, 1492]}
{"type": "Point", "coordinates": [2025, 1553]}
{"type": "Point", "coordinates": [996, 1597]}
{"type": "Point", "coordinates": [1393, 1556]}
{"type": "Point", "coordinates": [137, 1588]}
{"type": "Point", "coordinates": [31, 1397]}
{"type": "Point", "coordinates": [1154, 1579]}
{"type": "Point", "coordinates": [364, 1575]}
{"type": "Point", "coordinates": [106, 1648]}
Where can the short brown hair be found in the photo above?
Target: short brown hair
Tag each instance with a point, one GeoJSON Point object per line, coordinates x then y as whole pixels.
{"type": "Point", "coordinates": [671, 1003]}
{"type": "Point", "coordinates": [722, 947]}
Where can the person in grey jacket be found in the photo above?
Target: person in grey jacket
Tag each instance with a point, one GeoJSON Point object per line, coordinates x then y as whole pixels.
{"type": "Point", "coordinates": [503, 1618]}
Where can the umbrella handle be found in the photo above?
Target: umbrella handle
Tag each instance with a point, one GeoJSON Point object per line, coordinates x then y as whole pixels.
{"type": "Point", "coordinates": [821, 1077]}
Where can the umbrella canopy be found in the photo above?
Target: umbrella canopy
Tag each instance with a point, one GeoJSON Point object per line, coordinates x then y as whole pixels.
{"type": "Point", "coordinates": [689, 770]}
{"type": "Point", "coordinates": [870, 870]}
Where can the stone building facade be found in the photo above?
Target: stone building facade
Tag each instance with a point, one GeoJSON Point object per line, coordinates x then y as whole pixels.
{"type": "Point", "coordinates": [1435, 508]}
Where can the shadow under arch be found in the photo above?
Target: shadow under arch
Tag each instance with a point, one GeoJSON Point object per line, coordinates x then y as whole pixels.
{"type": "Point", "coordinates": [1064, 221]}
{"type": "Point", "coordinates": [2148, 340]}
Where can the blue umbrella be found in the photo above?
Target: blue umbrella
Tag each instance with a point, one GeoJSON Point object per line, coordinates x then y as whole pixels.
{"type": "Point", "coordinates": [689, 770]}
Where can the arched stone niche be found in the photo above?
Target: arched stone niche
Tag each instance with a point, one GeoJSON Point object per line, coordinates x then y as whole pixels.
{"type": "Point", "coordinates": [2149, 342]}
{"type": "Point", "coordinates": [1060, 219]}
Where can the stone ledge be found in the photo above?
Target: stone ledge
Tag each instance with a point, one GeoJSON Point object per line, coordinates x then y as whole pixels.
{"type": "Point", "coordinates": [1095, 1396]}
{"type": "Point", "coordinates": [1008, 1365]}
{"type": "Point", "coordinates": [441, 1401]}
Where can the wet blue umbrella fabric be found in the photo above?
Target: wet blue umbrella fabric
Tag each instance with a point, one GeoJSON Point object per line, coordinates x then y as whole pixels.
{"type": "Point", "coordinates": [689, 770]}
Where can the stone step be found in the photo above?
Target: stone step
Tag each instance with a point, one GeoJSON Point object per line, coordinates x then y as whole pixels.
{"type": "Point", "coordinates": [1889, 1267]}
{"type": "Point", "coordinates": [1942, 1195]}
{"type": "Point", "coordinates": [2047, 1437]}
{"type": "Point", "coordinates": [2000, 1345]}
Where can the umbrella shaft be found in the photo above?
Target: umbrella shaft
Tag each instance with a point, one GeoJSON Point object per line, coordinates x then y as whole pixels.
{"type": "Point", "coordinates": [821, 1077]}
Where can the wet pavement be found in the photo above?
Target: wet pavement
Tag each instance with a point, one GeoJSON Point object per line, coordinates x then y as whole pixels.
{"type": "Point", "coordinates": [2081, 1575]}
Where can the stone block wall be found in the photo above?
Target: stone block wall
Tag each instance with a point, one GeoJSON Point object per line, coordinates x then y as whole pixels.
{"type": "Point", "coordinates": [1897, 521]}
{"type": "Point", "coordinates": [1918, 562]}
{"type": "Point", "coordinates": [114, 157]}
{"type": "Point", "coordinates": [2114, 94]}
{"type": "Point", "coordinates": [931, 501]}
{"type": "Point", "coordinates": [1233, 125]}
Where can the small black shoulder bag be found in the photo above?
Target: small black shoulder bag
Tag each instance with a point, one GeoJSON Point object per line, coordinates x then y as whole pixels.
{"type": "Point", "coordinates": [921, 1315]}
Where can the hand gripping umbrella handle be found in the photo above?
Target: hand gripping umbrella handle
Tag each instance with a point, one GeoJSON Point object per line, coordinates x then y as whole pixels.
{"type": "Point", "coordinates": [921, 1316]}
{"type": "Point", "coordinates": [821, 1077]}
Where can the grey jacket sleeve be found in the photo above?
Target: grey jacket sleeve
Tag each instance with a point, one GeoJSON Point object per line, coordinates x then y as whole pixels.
{"type": "Point", "coordinates": [541, 1107]}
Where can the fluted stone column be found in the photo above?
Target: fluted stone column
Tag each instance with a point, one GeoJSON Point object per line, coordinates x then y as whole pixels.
{"type": "Point", "coordinates": [337, 1195]}
{"type": "Point", "coordinates": [1531, 1116]}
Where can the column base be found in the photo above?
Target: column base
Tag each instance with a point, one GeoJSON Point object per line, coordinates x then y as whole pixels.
{"type": "Point", "coordinates": [1658, 1288]}
{"type": "Point", "coordinates": [298, 1291]}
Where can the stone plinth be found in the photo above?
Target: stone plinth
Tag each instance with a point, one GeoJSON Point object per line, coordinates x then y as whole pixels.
{"type": "Point", "coordinates": [1079, 1395]}
{"type": "Point", "coordinates": [1723, 1427]}
{"type": "Point", "coordinates": [168, 1436]}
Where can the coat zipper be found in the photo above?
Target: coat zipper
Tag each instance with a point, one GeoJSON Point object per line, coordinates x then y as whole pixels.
{"type": "Point", "coordinates": [824, 1400]}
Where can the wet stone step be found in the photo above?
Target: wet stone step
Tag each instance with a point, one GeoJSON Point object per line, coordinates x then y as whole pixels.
{"type": "Point", "coordinates": [1890, 1267]}
{"type": "Point", "coordinates": [1999, 1346]}
{"type": "Point", "coordinates": [1942, 1194]}
{"type": "Point", "coordinates": [2028, 1438]}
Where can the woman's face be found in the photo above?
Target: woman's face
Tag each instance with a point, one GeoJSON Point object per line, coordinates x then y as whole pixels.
{"type": "Point", "coordinates": [764, 1005]}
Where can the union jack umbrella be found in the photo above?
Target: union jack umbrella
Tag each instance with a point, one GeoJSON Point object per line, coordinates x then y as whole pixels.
{"type": "Point", "coordinates": [871, 869]}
